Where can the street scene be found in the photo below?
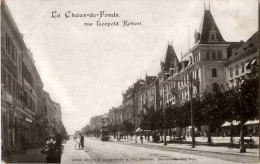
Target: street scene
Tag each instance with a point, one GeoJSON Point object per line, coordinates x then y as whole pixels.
{"type": "Point", "coordinates": [81, 83]}
{"type": "Point", "coordinates": [127, 151]}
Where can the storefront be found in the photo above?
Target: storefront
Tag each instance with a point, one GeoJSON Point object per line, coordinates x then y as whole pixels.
{"type": "Point", "coordinates": [6, 143]}
{"type": "Point", "coordinates": [252, 127]}
{"type": "Point", "coordinates": [235, 128]}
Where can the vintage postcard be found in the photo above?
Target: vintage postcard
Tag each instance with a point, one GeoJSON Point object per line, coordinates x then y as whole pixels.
{"type": "Point", "coordinates": [150, 81]}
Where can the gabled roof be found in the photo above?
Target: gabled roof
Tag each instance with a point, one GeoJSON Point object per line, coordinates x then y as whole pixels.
{"type": "Point", "coordinates": [170, 56]}
{"type": "Point", "coordinates": [208, 24]}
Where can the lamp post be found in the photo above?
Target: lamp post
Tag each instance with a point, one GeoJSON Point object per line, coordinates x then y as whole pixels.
{"type": "Point", "coordinates": [164, 115]}
{"type": "Point", "coordinates": [192, 113]}
{"type": "Point", "coordinates": [135, 130]}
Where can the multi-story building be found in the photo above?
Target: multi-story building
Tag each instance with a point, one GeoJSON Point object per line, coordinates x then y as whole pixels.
{"type": "Point", "coordinates": [23, 114]}
{"type": "Point", "coordinates": [52, 116]}
{"type": "Point", "coordinates": [115, 116]}
{"type": "Point", "coordinates": [57, 117]}
{"type": "Point", "coordinates": [15, 118]}
{"type": "Point", "coordinates": [129, 105]}
{"type": "Point", "coordinates": [241, 61]}
{"type": "Point", "coordinates": [147, 96]}
{"type": "Point", "coordinates": [209, 63]}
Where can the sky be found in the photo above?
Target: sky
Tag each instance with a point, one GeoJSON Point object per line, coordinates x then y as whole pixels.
{"type": "Point", "coordinates": [87, 68]}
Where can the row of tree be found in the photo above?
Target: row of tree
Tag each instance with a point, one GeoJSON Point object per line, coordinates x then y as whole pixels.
{"type": "Point", "coordinates": [213, 109]}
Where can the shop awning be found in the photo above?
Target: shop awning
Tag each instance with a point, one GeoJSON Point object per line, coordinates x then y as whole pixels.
{"type": "Point", "coordinates": [247, 65]}
{"type": "Point", "coordinates": [234, 123]}
{"type": "Point", "coordinates": [253, 62]}
{"type": "Point", "coordinates": [252, 122]}
{"type": "Point", "coordinates": [138, 129]}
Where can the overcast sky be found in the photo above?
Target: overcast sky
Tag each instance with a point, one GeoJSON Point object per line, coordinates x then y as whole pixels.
{"type": "Point", "coordinates": [86, 69]}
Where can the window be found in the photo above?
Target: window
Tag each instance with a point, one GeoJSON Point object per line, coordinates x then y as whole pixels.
{"type": "Point", "coordinates": [214, 72]}
{"type": "Point", "coordinates": [213, 36]}
{"type": "Point", "coordinates": [236, 69]}
{"type": "Point", "coordinates": [213, 54]}
{"type": "Point", "coordinates": [207, 56]}
{"type": "Point", "coordinates": [197, 74]}
{"type": "Point", "coordinates": [231, 72]}
{"type": "Point", "coordinates": [242, 68]}
{"type": "Point", "coordinates": [219, 55]}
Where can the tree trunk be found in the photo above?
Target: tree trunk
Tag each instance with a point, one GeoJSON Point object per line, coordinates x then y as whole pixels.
{"type": "Point", "coordinates": [242, 144]}
{"type": "Point", "coordinates": [231, 135]}
{"type": "Point", "coordinates": [165, 143]}
{"type": "Point", "coordinates": [170, 134]}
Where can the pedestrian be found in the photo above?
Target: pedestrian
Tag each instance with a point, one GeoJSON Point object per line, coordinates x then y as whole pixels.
{"type": "Point", "coordinates": [52, 153]}
{"type": "Point", "coordinates": [141, 138]}
{"type": "Point", "coordinates": [81, 137]}
{"type": "Point", "coordinates": [145, 136]}
{"type": "Point", "coordinates": [58, 146]}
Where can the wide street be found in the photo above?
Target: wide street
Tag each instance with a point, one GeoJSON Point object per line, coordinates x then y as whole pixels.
{"type": "Point", "coordinates": [97, 151]}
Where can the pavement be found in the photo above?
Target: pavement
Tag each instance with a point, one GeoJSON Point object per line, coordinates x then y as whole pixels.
{"type": "Point", "coordinates": [201, 145]}
{"type": "Point", "coordinates": [127, 151]}
{"type": "Point", "coordinates": [71, 155]}
{"type": "Point", "coordinates": [30, 156]}
{"type": "Point", "coordinates": [97, 151]}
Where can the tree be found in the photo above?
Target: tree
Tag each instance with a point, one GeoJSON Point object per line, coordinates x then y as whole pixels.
{"type": "Point", "coordinates": [128, 127]}
{"type": "Point", "coordinates": [247, 106]}
{"type": "Point", "coordinates": [211, 109]}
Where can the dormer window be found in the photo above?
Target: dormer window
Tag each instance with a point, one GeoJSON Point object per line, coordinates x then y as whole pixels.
{"type": "Point", "coordinates": [212, 35]}
{"type": "Point", "coordinates": [172, 64]}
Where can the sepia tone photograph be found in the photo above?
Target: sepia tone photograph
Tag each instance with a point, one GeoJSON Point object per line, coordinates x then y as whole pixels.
{"type": "Point", "coordinates": [150, 81]}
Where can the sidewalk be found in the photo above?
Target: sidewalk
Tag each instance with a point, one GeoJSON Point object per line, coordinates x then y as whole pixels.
{"type": "Point", "coordinates": [30, 156]}
{"type": "Point", "coordinates": [71, 155]}
{"type": "Point", "coordinates": [253, 152]}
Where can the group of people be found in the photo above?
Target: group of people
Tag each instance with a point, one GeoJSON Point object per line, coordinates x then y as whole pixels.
{"type": "Point", "coordinates": [53, 149]}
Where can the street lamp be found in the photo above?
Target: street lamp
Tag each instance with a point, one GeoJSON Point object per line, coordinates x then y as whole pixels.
{"type": "Point", "coordinates": [164, 114]}
{"type": "Point", "coordinates": [192, 113]}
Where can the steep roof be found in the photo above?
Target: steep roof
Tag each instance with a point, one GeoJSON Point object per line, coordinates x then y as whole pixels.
{"type": "Point", "coordinates": [170, 56]}
{"type": "Point", "coordinates": [208, 24]}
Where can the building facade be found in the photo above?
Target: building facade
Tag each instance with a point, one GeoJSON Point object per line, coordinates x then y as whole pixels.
{"type": "Point", "coordinates": [23, 116]}
{"type": "Point", "coordinates": [210, 62]}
